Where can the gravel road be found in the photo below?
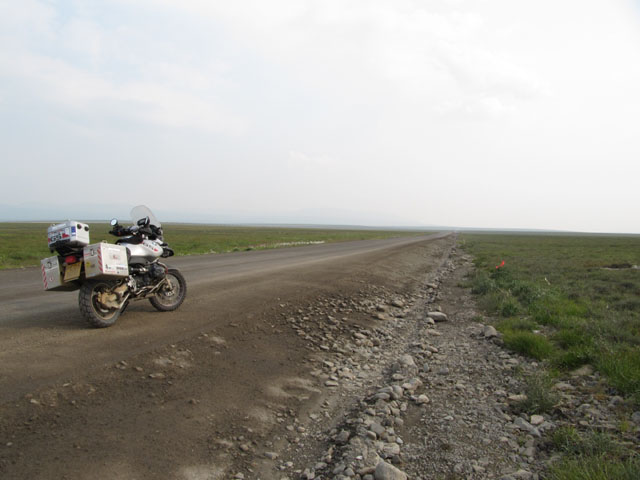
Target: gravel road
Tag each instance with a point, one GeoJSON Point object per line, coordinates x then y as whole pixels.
{"type": "Point", "coordinates": [164, 395]}
{"type": "Point", "coordinates": [43, 338]}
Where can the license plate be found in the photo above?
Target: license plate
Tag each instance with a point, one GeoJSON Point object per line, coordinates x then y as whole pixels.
{"type": "Point", "coordinates": [71, 272]}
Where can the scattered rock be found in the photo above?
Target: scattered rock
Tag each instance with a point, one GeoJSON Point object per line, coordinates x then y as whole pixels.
{"type": "Point", "coordinates": [536, 420]}
{"type": "Point", "coordinates": [438, 316]}
{"type": "Point", "coordinates": [386, 471]}
{"type": "Point", "coordinates": [522, 475]}
{"type": "Point", "coordinates": [518, 398]}
{"type": "Point", "coordinates": [342, 437]}
{"type": "Point", "coordinates": [563, 386]}
{"type": "Point", "coordinates": [583, 371]}
{"type": "Point", "coordinates": [407, 360]}
{"type": "Point", "coordinates": [522, 424]}
{"type": "Point", "coordinates": [451, 417]}
{"type": "Point", "coordinates": [489, 332]}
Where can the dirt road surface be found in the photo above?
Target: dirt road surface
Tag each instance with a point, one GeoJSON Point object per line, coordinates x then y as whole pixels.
{"type": "Point", "coordinates": [200, 393]}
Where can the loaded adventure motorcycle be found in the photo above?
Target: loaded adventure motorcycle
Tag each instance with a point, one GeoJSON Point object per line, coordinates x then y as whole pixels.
{"type": "Point", "coordinates": [109, 276]}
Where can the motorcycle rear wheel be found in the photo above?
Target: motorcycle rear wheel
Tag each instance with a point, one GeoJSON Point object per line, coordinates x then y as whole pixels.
{"type": "Point", "coordinates": [96, 314]}
{"type": "Point", "coordinates": [172, 293]}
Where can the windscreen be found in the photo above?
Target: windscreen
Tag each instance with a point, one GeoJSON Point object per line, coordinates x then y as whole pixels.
{"type": "Point", "coordinates": [142, 211]}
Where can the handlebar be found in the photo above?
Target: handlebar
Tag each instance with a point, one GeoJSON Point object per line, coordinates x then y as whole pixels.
{"type": "Point", "coordinates": [150, 230]}
{"type": "Point", "coordinates": [118, 230]}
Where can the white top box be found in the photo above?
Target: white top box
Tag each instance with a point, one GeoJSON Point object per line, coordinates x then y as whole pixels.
{"type": "Point", "coordinates": [69, 233]}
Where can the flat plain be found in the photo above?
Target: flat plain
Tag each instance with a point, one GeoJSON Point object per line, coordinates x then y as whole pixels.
{"type": "Point", "coordinates": [336, 361]}
{"type": "Point", "coordinates": [24, 244]}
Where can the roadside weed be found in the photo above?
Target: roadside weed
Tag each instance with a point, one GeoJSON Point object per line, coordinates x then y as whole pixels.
{"type": "Point", "coordinates": [540, 396]}
{"type": "Point", "coordinates": [592, 455]}
{"type": "Point", "coordinates": [622, 366]}
{"type": "Point", "coordinates": [528, 343]}
{"type": "Point", "coordinates": [595, 468]}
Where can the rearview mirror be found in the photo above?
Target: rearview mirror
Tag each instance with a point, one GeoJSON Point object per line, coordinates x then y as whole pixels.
{"type": "Point", "coordinates": [114, 222]}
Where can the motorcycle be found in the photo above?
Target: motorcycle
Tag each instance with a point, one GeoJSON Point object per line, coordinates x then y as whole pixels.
{"type": "Point", "coordinates": [110, 276]}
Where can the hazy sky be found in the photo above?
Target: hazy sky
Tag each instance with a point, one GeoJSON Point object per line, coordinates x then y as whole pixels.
{"type": "Point", "coordinates": [472, 113]}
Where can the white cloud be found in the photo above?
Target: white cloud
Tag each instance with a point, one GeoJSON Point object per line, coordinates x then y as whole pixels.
{"type": "Point", "coordinates": [303, 159]}
{"type": "Point", "coordinates": [415, 49]}
{"type": "Point", "coordinates": [65, 85]}
{"type": "Point", "coordinates": [379, 105]}
{"type": "Point", "coordinates": [164, 92]}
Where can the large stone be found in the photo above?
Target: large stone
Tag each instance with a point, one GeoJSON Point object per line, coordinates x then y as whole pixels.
{"type": "Point", "coordinates": [342, 437]}
{"type": "Point", "coordinates": [390, 449]}
{"type": "Point", "coordinates": [370, 460]}
{"type": "Point", "coordinates": [407, 360]}
{"type": "Point", "coordinates": [386, 471]}
{"type": "Point", "coordinates": [377, 429]}
{"type": "Point", "coordinates": [536, 420]}
{"type": "Point", "coordinates": [489, 332]}
{"type": "Point", "coordinates": [522, 424]}
{"type": "Point", "coordinates": [413, 383]}
{"type": "Point", "coordinates": [438, 316]}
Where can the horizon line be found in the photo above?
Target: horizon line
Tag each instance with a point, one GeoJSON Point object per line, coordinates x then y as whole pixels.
{"type": "Point", "coordinates": [453, 229]}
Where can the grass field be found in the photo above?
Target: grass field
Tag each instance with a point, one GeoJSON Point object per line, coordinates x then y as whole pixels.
{"type": "Point", "coordinates": [568, 301]}
{"type": "Point", "coordinates": [24, 244]}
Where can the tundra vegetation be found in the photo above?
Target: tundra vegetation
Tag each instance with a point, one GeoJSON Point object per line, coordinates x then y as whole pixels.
{"type": "Point", "coordinates": [569, 301]}
{"type": "Point", "coordinates": [25, 244]}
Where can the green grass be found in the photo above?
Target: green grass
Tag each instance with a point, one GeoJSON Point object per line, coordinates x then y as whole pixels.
{"type": "Point", "coordinates": [558, 300]}
{"type": "Point", "coordinates": [568, 440]}
{"type": "Point", "coordinates": [595, 468]}
{"type": "Point", "coordinates": [591, 456]}
{"type": "Point", "coordinates": [25, 244]}
{"type": "Point", "coordinates": [528, 343]}
{"type": "Point", "coordinates": [540, 397]}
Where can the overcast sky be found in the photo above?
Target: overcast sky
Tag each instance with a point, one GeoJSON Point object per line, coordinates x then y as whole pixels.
{"type": "Point", "coordinates": [474, 113]}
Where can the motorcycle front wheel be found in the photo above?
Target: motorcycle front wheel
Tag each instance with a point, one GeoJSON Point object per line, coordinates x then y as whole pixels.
{"type": "Point", "coordinates": [172, 293]}
{"type": "Point", "coordinates": [92, 310]}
